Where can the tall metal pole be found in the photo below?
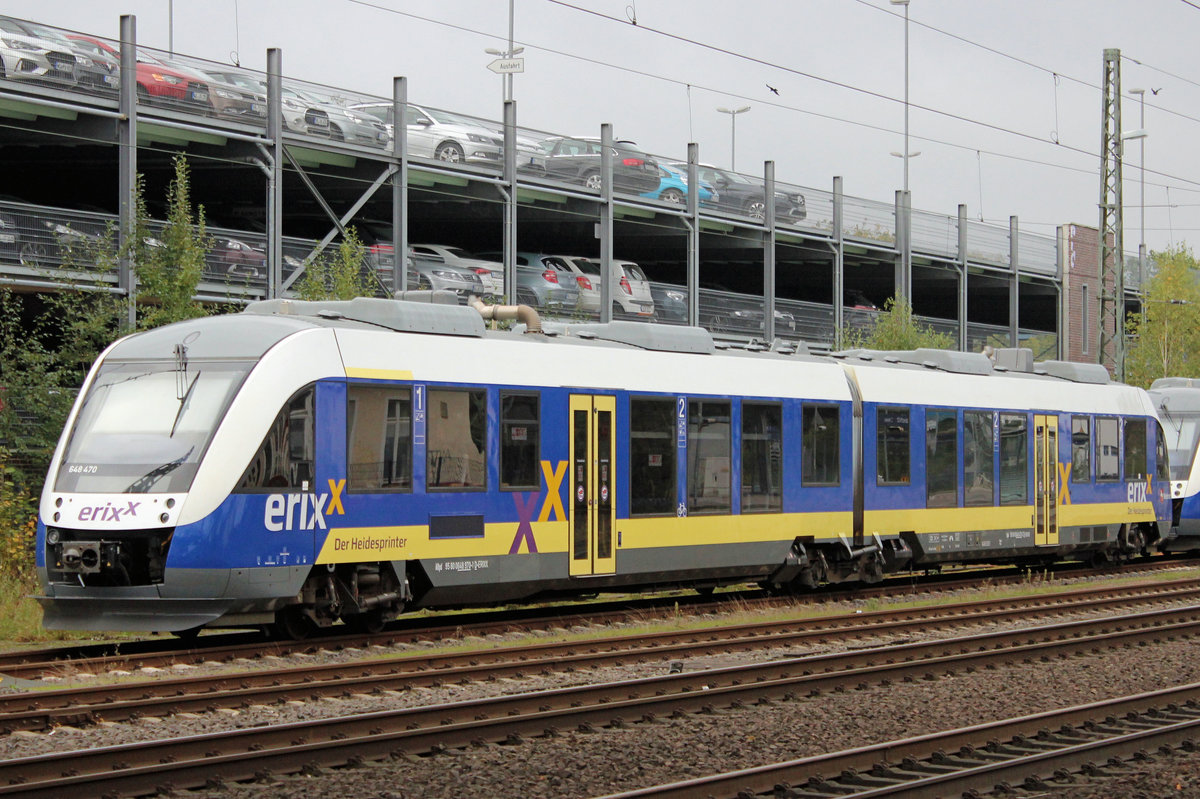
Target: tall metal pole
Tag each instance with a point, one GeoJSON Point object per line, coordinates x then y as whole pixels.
{"type": "Point", "coordinates": [905, 4]}
{"type": "Point", "coordinates": [400, 184]}
{"type": "Point", "coordinates": [1141, 93]}
{"type": "Point", "coordinates": [508, 76]}
{"type": "Point", "coordinates": [733, 112]}
{"type": "Point", "coordinates": [1111, 244]}
{"type": "Point", "coordinates": [275, 184]}
{"type": "Point", "coordinates": [127, 158]}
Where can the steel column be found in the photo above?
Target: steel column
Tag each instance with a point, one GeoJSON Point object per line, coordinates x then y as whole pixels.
{"type": "Point", "coordinates": [839, 263]}
{"type": "Point", "coordinates": [400, 184]}
{"type": "Point", "coordinates": [606, 220]}
{"type": "Point", "coordinates": [962, 284]}
{"type": "Point", "coordinates": [275, 182]}
{"type": "Point", "coordinates": [693, 242]}
{"type": "Point", "coordinates": [127, 183]}
{"type": "Point", "coordinates": [1014, 289]}
{"type": "Point", "coordinates": [510, 202]}
{"type": "Point", "coordinates": [769, 252]}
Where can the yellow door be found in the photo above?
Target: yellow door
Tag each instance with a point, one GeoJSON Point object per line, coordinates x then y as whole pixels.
{"type": "Point", "coordinates": [593, 512]}
{"type": "Point", "coordinates": [1045, 480]}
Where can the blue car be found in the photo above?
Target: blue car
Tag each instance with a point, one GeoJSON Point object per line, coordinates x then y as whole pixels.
{"type": "Point", "coordinates": [673, 188]}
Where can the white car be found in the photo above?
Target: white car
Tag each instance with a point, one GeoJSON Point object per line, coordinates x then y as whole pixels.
{"type": "Point", "coordinates": [628, 287]}
{"type": "Point", "coordinates": [491, 273]}
{"type": "Point", "coordinates": [440, 135]}
{"type": "Point", "coordinates": [26, 57]}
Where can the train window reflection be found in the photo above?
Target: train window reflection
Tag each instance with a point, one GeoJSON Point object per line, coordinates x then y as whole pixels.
{"type": "Point", "coordinates": [1081, 449]}
{"type": "Point", "coordinates": [652, 489]}
{"type": "Point", "coordinates": [285, 457]}
{"type": "Point", "coordinates": [892, 446]}
{"type": "Point", "coordinates": [822, 445]}
{"type": "Point", "coordinates": [708, 447]}
{"type": "Point", "coordinates": [1135, 449]}
{"type": "Point", "coordinates": [1161, 468]}
{"type": "Point", "coordinates": [762, 457]}
{"type": "Point", "coordinates": [1108, 453]}
{"type": "Point", "coordinates": [379, 438]}
{"type": "Point", "coordinates": [455, 448]}
{"type": "Point", "coordinates": [941, 459]}
{"type": "Point", "coordinates": [979, 466]}
{"type": "Point", "coordinates": [1014, 459]}
{"type": "Point", "coordinates": [520, 441]}
{"type": "Point", "coordinates": [1183, 433]}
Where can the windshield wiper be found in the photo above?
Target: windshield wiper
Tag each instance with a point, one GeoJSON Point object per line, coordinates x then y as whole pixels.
{"type": "Point", "coordinates": [183, 401]}
{"type": "Point", "coordinates": [142, 484]}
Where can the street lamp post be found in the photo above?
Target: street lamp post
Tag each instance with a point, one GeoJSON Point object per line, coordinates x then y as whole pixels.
{"type": "Point", "coordinates": [511, 52]}
{"type": "Point", "coordinates": [906, 153]}
{"type": "Point", "coordinates": [733, 112]}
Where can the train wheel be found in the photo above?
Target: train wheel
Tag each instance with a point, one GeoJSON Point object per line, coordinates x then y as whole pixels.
{"type": "Point", "coordinates": [291, 624]}
{"type": "Point", "coordinates": [368, 622]}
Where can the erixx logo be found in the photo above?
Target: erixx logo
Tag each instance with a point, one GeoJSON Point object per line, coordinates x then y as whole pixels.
{"type": "Point", "coordinates": [108, 512]}
{"type": "Point", "coordinates": [303, 511]}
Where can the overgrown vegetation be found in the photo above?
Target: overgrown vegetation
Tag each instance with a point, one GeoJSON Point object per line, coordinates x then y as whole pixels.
{"type": "Point", "coordinates": [895, 328]}
{"type": "Point", "coordinates": [342, 277]}
{"type": "Point", "coordinates": [47, 344]}
{"type": "Point", "coordinates": [1164, 340]}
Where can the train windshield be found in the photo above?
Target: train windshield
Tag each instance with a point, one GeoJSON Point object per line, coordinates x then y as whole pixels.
{"type": "Point", "coordinates": [143, 427]}
{"type": "Point", "coordinates": [1182, 431]}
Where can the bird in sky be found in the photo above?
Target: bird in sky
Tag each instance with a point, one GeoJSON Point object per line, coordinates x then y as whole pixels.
{"type": "Point", "coordinates": [772, 88]}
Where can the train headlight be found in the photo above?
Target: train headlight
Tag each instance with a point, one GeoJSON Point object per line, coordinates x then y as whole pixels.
{"type": "Point", "coordinates": [53, 536]}
{"type": "Point", "coordinates": [163, 517]}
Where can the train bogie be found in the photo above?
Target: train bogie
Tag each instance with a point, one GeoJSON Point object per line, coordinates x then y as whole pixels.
{"type": "Point", "coordinates": [302, 464]}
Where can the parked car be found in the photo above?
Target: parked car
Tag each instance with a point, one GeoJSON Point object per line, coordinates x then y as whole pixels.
{"type": "Point", "coordinates": [345, 124]}
{"type": "Point", "coordinates": [725, 311]}
{"type": "Point", "coordinates": [232, 258]}
{"type": "Point", "coordinates": [30, 58]}
{"type": "Point", "coordinates": [546, 282]}
{"type": "Point", "coordinates": [10, 236]}
{"type": "Point", "coordinates": [670, 303]}
{"type": "Point", "coordinates": [628, 286]}
{"type": "Point", "coordinates": [96, 72]}
{"type": "Point", "coordinates": [440, 135]}
{"type": "Point", "coordinates": [673, 188]}
{"type": "Point", "coordinates": [443, 277]}
{"type": "Point", "coordinates": [157, 83]}
{"type": "Point", "coordinates": [299, 115]}
{"type": "Point", "coordinates": [491, 273]}
{"type": "Point", "coordinates": [228, 100]}
{"type": "Point", "coordinates": [577, 160]}
{"type": "Point", "coordinates": [381, 254]}
{"type": "Point", "coordinates": [739, 194]}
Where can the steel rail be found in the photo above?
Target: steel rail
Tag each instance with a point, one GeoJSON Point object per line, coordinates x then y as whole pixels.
{"type": "Point", "coordinates": [80, 705]}
{"type": "Point", "coordinates": [244, 753]}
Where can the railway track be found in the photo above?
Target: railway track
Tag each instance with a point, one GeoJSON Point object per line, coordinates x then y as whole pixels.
{"type": "Point", "coordinates": [88, 704]}
{"type": "Point", "coordinates": [226, 647]}
{"type": "Point", "coordinates": [1037, 752]}
{"type": "Point", "coordinates": [245, 753]}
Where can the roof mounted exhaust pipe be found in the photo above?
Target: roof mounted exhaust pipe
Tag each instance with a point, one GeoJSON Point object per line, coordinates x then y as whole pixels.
{"type": "Point", "coordinates": [521, 313]}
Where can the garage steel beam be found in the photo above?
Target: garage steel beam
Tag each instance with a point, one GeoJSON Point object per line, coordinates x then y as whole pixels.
{"type": "Point", "coordinates": [693, 236]}
{"type": "Point", "coordinates": [839, 262]}
{"type": "Point", "coordinates": [962, 285]}
{"type": "Point", "coordinates": [606, 220]}
{"type": "Point", "coordinates": [400, 184]}
{"type": "Point", "coordinates": [275, 179]}
{"type": "Point", "coordinates": [1014, 286]}
{"type": "Point", "coordinates": [510, 184]}
{"type": "Point", "coordinates": [769, 252]}
{"type": "Point", "coordinates": [127, 167]}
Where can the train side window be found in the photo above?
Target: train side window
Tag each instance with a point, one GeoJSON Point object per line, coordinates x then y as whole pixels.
{"type": "Point", "coordinates": [1162, 467]}
{"type": "Point", "coordinates": [892, 446]}
{"type": "Point", "coordinates": [1081, 449]}
{"type": "Point", "coordinates": [709, 457]}
{"type": "Point", "coordinates": [762, 457]}
{"type": "Point", "coordinates": [1014, 459]}
{"type": "Point", "coordinates": [378, 438]}
{"type": "Point", "coordinates": [285, 457]}
{"type": "Point", "coordinates": [520, 441]}
{"type": "Point", "coordinates": [1108, 455]}
{"type": "Point", "coordinates": [979, 467]}
{"type": "Point", "coordinates": [821, 464]}
{"type": "Point", "coordinates": [941, 459]}
{"type": "Point", "coordinates": [456, 440]}
{"type": "Point", "coordinates": [652, 488]}
{"type": "Point", "coordinates": [1135, 449]}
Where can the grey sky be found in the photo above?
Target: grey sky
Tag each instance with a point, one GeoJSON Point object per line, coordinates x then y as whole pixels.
{"type": "Point", "coordinates": [583, 69]}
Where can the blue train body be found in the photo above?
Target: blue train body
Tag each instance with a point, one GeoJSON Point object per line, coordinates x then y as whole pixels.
{"type": "Point", "coordinates": [303, 463]}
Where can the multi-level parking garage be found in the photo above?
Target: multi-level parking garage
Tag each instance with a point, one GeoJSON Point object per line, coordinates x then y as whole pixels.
{"type": "Point", "coordinates": [281, 167]}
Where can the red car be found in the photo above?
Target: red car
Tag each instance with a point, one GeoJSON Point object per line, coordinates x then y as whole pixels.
{"type": "Point", "coordinates": [157, 84]}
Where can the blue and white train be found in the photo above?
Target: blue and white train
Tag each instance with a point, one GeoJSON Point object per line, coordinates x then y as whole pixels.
{"type": "Point", "coordinates": [300, 464]}
{"type": "Point", "coordinates": [1177, 401]}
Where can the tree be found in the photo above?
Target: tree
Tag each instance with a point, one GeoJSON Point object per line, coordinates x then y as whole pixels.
{"type": "Point", "coordinates": [1164, 340]}
{"type": "Point", "coordinates": [342, 277]}
{"type": "Point", "coordinates": [169, 267]}
{"type": "Point", "coordinates": [896, 329]}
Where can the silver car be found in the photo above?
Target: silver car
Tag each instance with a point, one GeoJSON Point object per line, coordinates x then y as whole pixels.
{"type": "Point", "coordinates": [628, 287]}
{"type": "Point", "coordinates": [440, 135]}
{"type": "Point", "coordinates": [491, 273]}
{"type": "Point", "coordinates": [443, 277]}
{"type": "Point", "coordinates": [97, 72]}
{"type": "Point", "coordinates": [28, 58]}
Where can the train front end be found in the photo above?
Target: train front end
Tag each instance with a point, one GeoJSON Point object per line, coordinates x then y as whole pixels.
{"type": "Point", "coordinates": [133, 520]}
